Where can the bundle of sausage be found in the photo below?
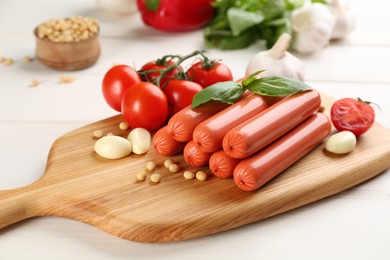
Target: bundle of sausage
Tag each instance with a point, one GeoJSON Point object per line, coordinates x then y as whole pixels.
{"type": "Point", "coordinates": [252, 140]}
{"type": "Point", "coordinates": [200, 131]}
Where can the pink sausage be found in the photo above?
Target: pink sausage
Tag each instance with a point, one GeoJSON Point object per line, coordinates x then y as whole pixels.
{"type": "Point", "coordinates": [164, 144]}
{"type": "Point", "coordinates": [264, 128]}
{"type": "Point", "coordinates": [253, 172]}
{"type": "Point", "coordinates": [194, 156]}
{"type": "Point", "coordinates": [210, 133]}
{"type": "Point", "coordinates": [222, 165]}
{"type": "Point", "coordinates": [182, 124]}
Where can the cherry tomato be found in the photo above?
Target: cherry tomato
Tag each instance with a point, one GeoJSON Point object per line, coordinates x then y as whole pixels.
{"type": "Point", "coordinates": [352, 115]}
{"type": "Point", "coordinates": [115, 83]}
{"type": "Point", "coordinates": [209, 73]}
{"type": "Point", "coordinates": [145, 105]}
{"type": "Point", "coordinates": [179, 94]}
{"type": "Point", "coordinates": [158, 65]}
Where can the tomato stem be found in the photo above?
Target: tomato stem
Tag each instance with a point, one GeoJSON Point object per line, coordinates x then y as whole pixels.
{"type": "Point", "coordinates": [178, 59]}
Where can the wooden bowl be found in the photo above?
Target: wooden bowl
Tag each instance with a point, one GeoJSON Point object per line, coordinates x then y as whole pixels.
{"type": "Point", "coordinates": [67, 55]}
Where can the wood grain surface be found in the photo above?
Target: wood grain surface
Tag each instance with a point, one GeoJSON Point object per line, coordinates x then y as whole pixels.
{"type": "Point", "coordinates": [80, 185]}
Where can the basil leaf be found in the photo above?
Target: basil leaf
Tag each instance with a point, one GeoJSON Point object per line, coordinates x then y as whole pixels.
{"type": "Point", "coordinates": [240, 19]}
{"type": "Point", "coordinates": [226, 92]}
{"type": "Point", "coordinates": [251, 78]}
{"type": "Point", "coordinates": [276, 86]}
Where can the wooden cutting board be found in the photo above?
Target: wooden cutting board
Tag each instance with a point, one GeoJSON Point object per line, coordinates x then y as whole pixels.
{"type": "Point", "coordinates": [80, 185]}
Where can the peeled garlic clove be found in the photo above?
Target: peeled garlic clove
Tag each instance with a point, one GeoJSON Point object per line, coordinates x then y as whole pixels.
{"type": "Point", "coordinates": [341, 143]}
{"type": "Point", "coordinates": [112, 147]}
{"type": "Point", "coordinates": [140, 140]}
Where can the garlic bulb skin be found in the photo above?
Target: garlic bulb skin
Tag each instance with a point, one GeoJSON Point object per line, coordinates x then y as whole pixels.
{"type": "Point", "coordinates": [277, 61]}
{"type": "Point", "coordinates": [313, 27]}
{"type": "Point", "coordinates": [344, 19]}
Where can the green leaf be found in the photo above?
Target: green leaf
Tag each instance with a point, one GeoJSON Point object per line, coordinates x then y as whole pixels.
{"type": "Point", "coordinates": [240, 19]}
{"type": "Point", "coordinates": [276, 86]}
{"type": "Point", "coordinates": [224, 40]}
{"type": "Point", "coordinates": [152, 5]}
{"type": "Point", "coordinates": [227, 92]}
{"type": "Point", "coordinates": [251, 78]}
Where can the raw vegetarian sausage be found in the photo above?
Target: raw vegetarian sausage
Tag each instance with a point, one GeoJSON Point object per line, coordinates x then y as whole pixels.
{"type": "Point", "coordinates": [222, 165]}
{"type": "Point", "coordinates": [182, 124]}
{"type": "Point", "coordinates": [164, 144]}
{"type": "Point", "coordinates": [209, 134]}
{"type": "Point", "coordinates": [194, 156]}
{"type": "Point", "coordinates": [264, 128]}
{"type": "Point", "coordinates": [253, 172]}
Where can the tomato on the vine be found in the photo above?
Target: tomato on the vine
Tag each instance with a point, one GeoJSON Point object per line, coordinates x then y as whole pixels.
{"type": "Point", "coordinates": [180, 93]}
{"type": "Point", "coordinates": [155, 68]}
{"type": "Point", "coordinates": [352, 115]}
{"type": "Point", "coordinates": [115, 83]}
{"type": "Point", "coordinates": [145, 105]}
{"type": "Point", "coordinates": [207, 73]}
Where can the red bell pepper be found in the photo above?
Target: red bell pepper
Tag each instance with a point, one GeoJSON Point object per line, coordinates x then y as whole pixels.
{"type": "Point", "coordinates": [176, 15]}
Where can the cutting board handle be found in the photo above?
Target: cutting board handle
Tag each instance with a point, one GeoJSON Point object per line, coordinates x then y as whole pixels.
{"type": "Point", "coordinates": [19, 204]}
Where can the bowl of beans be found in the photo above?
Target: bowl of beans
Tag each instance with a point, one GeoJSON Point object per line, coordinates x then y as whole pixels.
{"type": "Point", "coordinates": [68, 43]}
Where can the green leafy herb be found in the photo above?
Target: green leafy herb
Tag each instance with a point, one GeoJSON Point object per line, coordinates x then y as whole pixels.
{"type": "Point", "coordinates": [276, 86]}
{"type": "Point", "coordinates": [230, 91]}
{"type": "Point", "coordinates": [226, 92]}
{"type": "Point", "coordinates": [239, 23]}
{"type": "Point", "coordinates": [240, 20]}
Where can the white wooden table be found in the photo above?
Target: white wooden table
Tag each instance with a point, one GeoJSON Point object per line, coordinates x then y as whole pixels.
{"type": "Point", "coordinates": [352, 225]}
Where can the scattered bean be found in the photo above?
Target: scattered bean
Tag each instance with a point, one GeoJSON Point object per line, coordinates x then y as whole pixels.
{"type": "Point", "coordinates": [123, 126]}
{"type": "Point", "coordinates": [98, 133]}
{"type": "Point", "coordinates": [65, 79]}
{"type": "Point", "coordinates": [8, 61]}
{"type": "Point", "coordinates": [201, 175]}
{"type": "Point", "coordinates": [141, 176]}
{"type": "Point", "coordinates": [150, 166]}
{"type": "Point", "coordinates": [168, 162]}
{"type": "Point", "coordinates": [173, 167]}
{"type": "Point", "coordinates": [34, 83]}
{"type": "Point", "coordinates": [189, 175]}
{"type": "Point", "coordinates": [155, 177]}
{"type": "Point", "coordinates": [341, 143]}
{"type": "Point", "coordinates": [112, 147]}
{"type": "Point", "coordinates": [27, 59]}
{"type": "Point", "coordinates": [2, 59]}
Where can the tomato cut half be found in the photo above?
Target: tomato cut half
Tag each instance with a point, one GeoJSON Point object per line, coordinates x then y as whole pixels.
{"type": "Point", "coordinates": [352, 115]}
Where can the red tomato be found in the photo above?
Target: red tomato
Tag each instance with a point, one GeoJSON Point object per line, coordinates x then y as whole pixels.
{"type": "Point", "coordinates": [352, 115]}
{"type": "Point", "coordinates": [206, 75]}
{"type": "Point", "coordinates": [115, 83]}
{"type": "Point", "coordinates": [157, 65]}
{"type": "Point", "coordinates": [145, 105]}
{"type": "Point", "coordinates": [179, 94]}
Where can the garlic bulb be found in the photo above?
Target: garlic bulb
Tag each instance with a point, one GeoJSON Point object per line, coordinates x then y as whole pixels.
{"type": "Point", "coordinates": [313, 27]}
{"type": "Point", "coordinates": [344, 19]}
{"type": "Point", "coordinates": [277, 61]}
